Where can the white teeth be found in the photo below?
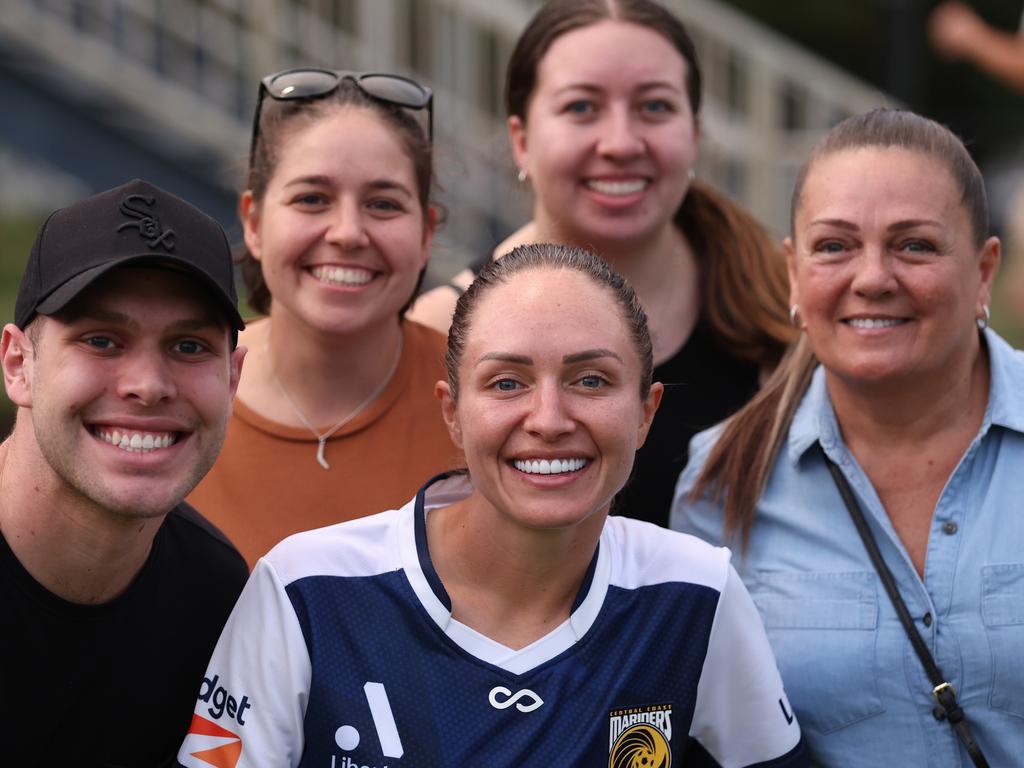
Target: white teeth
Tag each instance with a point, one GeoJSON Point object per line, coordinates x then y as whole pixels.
{"type": "Point", "coordinates": [617, 187]}
{"type": "Point", "coordinates": [342, 275]}
{"type": "Point", "coordinates": [137, 441]}
{"type": "Point", "coordinates": [546, 467]}
{"type": "Point", "coordinates": [871, 322]}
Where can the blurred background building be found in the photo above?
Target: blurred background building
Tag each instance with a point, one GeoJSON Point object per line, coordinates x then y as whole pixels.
{"type": "Point", "coordinates": [95, 92]}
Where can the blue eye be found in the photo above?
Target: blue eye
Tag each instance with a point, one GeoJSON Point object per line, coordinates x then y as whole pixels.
{"type": "Point", "coordinates": [592, 382]}
{"type": "Point", "coordinates": [830, 246]}
{"type": "Point", "coordinates": [580, 107]}
{"type": "Point", "coordinates": [918, 246]}
{"type": "Point", "coordinates": [657, 106]}
{"type": "Point", "coordinates": [506, 385]}
{"type": "Point", "coordinates": [189, 347]}
{"type": "Point", "coordinates": [100, 342]}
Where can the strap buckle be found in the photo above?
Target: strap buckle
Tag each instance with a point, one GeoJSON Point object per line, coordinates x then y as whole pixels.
{"type": "Point", "coordinates": [944, 691]}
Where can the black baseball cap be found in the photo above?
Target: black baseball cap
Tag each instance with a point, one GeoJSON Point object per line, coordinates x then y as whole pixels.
{"type": "Point", "coordinates": [134, 224]}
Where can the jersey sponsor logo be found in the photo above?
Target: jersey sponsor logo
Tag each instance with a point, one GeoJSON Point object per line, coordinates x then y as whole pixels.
{"type": "Point", "coordinates": [208, 744]}
{"type": "Point", "coordinates": [348, 738]}
{"type": "Point", "coordinates": [640, 737]}
{"type": "Point", "coordinates": [524, 700]}
{"type": "Point", "coordinates": [222, 702]}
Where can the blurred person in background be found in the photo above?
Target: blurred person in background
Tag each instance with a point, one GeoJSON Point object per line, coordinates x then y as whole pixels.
{"type": "Point", "coordinates": [957, 32]}
{"type": "Point", "coordinates": [335, 417]}
{"type": "Point", "coordinates": [603, 100]}
{"type": "Point", "coordinates": [895, 425]}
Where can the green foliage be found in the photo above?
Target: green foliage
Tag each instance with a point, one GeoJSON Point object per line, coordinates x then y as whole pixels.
{"type": "Point", "coordinates": [16, 236]}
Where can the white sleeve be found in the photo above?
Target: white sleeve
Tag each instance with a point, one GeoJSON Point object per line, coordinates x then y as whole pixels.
{"type": "Point", "coordinates": [742, 716]}
{"type": "Point", "coordinates": [252, 701]}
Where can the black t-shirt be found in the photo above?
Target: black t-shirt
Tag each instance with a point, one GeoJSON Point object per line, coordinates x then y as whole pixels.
{"type": "Point", "coordinates": [704, 384]}
{"type": "Point", "coordinates": [114, 684]}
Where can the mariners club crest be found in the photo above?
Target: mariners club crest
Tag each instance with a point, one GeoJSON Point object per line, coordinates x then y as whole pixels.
{"type": "Point", "coordinates": [640, 737]}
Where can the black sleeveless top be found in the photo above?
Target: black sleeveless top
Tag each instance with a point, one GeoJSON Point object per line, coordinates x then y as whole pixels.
{"type": "Point", "coordinates": [704, 384]}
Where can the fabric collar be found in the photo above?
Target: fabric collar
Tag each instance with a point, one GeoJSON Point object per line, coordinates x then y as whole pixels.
{"type": "Point", "coordinates": [815, 419]}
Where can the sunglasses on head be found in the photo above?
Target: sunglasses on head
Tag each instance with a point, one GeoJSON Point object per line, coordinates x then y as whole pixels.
{"type": "Point", "coordinates": [313, 83]}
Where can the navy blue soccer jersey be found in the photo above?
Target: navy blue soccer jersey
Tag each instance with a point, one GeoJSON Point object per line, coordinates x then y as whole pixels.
{"type": "Point", "coordinates": [342, 653]}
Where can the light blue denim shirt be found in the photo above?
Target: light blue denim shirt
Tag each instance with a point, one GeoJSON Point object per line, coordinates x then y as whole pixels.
{"type": "Point", "coordinates": [858, 688]}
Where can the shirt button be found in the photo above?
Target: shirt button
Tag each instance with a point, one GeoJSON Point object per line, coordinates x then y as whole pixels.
{"type": "Point", "coordinates": [949, 528]}
{"type": "Point", "coordinates": [927, 619]}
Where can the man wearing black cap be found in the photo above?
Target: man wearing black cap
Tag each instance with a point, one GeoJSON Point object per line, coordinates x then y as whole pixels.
{"type": "Point", "coordinates": [122, 361]}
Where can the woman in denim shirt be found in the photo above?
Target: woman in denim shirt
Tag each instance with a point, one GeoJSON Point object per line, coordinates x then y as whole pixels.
{"type": "Point", "coordinates": [897, 381]}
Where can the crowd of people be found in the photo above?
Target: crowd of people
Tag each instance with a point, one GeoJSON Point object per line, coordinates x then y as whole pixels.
{"type": "Point", "coordinates": [640, 488]}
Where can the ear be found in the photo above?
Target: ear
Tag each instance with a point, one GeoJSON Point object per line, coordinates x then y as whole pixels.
{"type": "Point", "coordinates": [449, 412]}
{"type": "Point", "coordinates": [517, 138]}
{"type": "Point", "coordinates": [235, 372]}
{"type": "Point", "coordinates": [790, 249]}
{"type": "Point", "coordinates": [249, 215]}
{"type": "Point", "coordinates": [991, 255]}
{"type": "Point", "coordinates": [650, 407]}
{"type": "Point", "coordinates": [429, 228]}
{"type": "Point", "coordinates": [16, 356]}
{"type": "Point", "coordinates": [698, 129]}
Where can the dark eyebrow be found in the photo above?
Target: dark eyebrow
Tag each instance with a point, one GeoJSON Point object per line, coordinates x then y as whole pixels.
{"type": "Point", "coordinates": [312, 179]}
{"type": "Point", "coordinates": [589, 354]}
{"type": "Point", "coordinates": [193, 324]}
{"type": "Point", "coordinates": [899, 226]}
{"type": "Point", "coordinates": [507, 357]}
{"type": "Point", "coordinates": [388, 184]}
{"type": "Point", "coordinates": [840, 223]}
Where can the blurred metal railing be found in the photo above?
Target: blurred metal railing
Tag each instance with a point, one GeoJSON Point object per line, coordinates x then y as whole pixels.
{"type": "Point", "coordinates": [190, 68]}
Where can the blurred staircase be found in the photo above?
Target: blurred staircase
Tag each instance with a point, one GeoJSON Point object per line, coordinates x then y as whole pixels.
{"type": "Point", "coordinates": [109, 89]}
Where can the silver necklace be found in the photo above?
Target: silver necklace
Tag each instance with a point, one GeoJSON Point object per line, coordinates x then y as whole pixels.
{"type": "Point", "coordinates": [322, 437]}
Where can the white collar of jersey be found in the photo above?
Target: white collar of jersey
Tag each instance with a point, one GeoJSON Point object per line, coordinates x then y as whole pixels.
{"type": "Point", "coordinates": [443, 491]}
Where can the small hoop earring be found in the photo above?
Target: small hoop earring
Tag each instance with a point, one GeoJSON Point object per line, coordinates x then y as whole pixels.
{"type": "Point", "coordinates": [792, 315]}
{"type": "Point", "coordinates": [983, 321]}
{"type": "Point", "coordinates": [522, 175]}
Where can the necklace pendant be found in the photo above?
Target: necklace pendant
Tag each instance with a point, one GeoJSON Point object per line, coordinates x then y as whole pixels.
{"type": "Point", "coordinates": [320, 454]}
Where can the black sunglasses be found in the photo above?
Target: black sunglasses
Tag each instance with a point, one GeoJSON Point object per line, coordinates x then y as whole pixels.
{"type": "Point", "coordinates": [313, 83]}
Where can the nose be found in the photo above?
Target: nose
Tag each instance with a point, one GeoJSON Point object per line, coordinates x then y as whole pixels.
{"type": "Point", "coordinates": [347, 229]}
{"type": "Point", "coordinates": [874, 276]}
{"type": "Point", "coordinates": [146, 378]}
{"type": "Point", "coordinates": [620, 136]}
{"type": "Point", "coordinates": [549, 417]}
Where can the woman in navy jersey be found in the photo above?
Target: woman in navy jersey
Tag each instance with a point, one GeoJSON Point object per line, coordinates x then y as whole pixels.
{"type": "Point", "coordinates": [502, 617]}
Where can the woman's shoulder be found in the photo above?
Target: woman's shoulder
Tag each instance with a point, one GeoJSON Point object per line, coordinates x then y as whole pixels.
{"type": "Point", "coordinates": [645, 554]}
{"type": "Point", "coordinates": [366, 546]}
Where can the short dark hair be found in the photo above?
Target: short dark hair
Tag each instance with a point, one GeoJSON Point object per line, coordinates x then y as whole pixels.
{"type": "Point", "coordinates": [550, 256]}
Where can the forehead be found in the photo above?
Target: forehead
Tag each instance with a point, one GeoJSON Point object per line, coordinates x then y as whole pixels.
{"type": "Point", "coordinates": [890, 182]}
{"type": "Point", "coordinates": [344, 140]}
{"type": "Point", "coordinates": [543, 309]}
{"type": "Point", "coordinates": [611, 54]}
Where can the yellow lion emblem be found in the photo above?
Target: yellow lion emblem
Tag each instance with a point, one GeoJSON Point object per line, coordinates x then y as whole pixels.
{"type": "Point", "coordinates": [641, 746]}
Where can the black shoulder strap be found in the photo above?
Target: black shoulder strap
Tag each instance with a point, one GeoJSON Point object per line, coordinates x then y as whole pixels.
{"type": "Point", "coordinates": [947, 708]}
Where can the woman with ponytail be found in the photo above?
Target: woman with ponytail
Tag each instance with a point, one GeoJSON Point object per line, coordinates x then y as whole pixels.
{"type": "Point", "coordinates": [873, 485]}
{"type": "Point", "coordinates": [603, 98]}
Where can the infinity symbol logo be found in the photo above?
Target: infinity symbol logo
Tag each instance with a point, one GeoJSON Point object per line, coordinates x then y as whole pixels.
{"type": "Point", "coordinates": [509, 700]}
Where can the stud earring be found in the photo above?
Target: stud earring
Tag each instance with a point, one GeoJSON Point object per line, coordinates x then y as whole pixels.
{"type": "Point", "coordinates": [691, 174]}
{"type": "Point", "coordinates": [983, 321]}
{"type": "Point", "coordinates": [793, 320]}
{"type": "Point", "coordinates": [522, 175]}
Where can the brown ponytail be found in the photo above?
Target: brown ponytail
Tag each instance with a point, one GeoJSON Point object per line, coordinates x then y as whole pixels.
{"type": "Point", "coordinates": [744, 286]}
{"type": "Point", "coordinates": [737, 469]}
